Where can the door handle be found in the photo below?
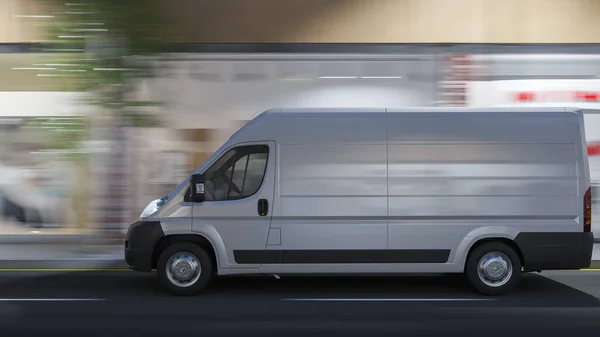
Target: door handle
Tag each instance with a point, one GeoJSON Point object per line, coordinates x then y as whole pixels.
{"type": "Point", "coordinates": [263, 207]}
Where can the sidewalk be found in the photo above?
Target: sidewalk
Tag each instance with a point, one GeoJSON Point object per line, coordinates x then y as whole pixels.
{"type": "Point", "coordinates": [55, 248]}
{"type": "Point", "coordinates": [14, 234]}
{"type": "Point", "coordinates": [60, 256]}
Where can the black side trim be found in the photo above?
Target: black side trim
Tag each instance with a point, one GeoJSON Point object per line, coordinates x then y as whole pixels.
{"type": "Point", "coordinates": [418, 255]}
{"type": "Point", "coordinates": [552, 251]}
{"type": "Point", "coordinates": [341, 256]}
{"type": "Point", "coordinates": [393, 217]}
{"type": "Point", "coordinates": [140, 240]}
{"type": "Point", "coordinates": [257, 256]}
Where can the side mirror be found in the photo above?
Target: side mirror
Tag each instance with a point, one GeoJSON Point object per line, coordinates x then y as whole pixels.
{"type": "Point", "coordinates": [197, 188]}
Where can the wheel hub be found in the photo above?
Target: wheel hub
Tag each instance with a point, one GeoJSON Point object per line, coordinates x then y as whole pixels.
{"type": "Point", "coordinates": [183, 269]}
{"type": "Point", "coordinates": [494, 269]}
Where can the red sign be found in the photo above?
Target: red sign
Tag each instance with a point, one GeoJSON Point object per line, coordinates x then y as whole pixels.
{"type": "Point", "coordinates": [593, 149]}
{"type": "Point", "coordinates": [556, 96]}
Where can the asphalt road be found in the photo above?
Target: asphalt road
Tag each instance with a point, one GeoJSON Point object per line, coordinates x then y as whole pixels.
{"type": "Point", "coordinates": [123, 303]}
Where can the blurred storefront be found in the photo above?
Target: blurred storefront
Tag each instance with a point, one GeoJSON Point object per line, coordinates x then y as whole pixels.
{"type": "Point", "coordinates": [209, 95]}
{"type": "Point", "coordinates": [232, 59]}
{"type": "Point", "coordinates": [43, 170]}
{"type": "Point", "coordinates": [542, 80]}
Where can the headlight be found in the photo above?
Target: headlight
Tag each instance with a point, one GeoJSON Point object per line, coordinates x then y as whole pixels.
{"type": "Point", "coordinates": [151, 208]}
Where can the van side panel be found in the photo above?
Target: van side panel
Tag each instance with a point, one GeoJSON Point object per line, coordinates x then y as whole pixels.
{"type": "Point", "coordinates": [331, 194]}
{"type": "Point", "coordinates": [235, 226]}
{"type": "Point", "coordinates": [455, 178]}
{"type": "Point", "coordinates": [397, 190]}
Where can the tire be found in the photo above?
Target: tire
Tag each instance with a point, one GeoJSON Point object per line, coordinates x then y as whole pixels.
{"type": "Point", "coordinates": [504, 256]}
{"type": "Point", "coordinates": [189, 254]}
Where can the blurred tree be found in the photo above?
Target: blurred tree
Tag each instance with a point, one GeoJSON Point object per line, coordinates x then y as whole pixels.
{"type": "Point", "coordinates": [106, 48]}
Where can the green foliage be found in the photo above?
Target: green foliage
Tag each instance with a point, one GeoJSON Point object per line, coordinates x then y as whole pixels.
{"type": "Point", "coordinates": [110, 46]}
{"type": "Point", "coordinates": [59, 132]}
{"type": "Point", "coordinates": [104, 48]}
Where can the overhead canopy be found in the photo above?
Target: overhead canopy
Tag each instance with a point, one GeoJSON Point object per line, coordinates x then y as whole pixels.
{"type": "Point", "coordinates": [42, 104]}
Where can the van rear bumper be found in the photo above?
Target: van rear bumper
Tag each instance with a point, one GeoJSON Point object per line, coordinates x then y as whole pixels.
{"type": "Point", "coordinates": [555, 251]}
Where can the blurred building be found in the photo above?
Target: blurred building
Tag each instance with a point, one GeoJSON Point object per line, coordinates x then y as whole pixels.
{"type": "Point", "coordinates": [233, 58]}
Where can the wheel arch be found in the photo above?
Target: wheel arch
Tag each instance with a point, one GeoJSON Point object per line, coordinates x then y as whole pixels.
{"type": "Point", "coordinates": [481, 235]}
{"type": "Point", "coordinates": [509, 242]}
{"type": "Point", "coordinates": [197, 239]}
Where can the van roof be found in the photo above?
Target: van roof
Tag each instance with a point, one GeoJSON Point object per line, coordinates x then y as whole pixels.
{"type": "Point", "coordinates": [424, 109]}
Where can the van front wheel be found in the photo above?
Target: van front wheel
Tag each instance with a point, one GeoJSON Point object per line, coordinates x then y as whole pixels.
{"type": "Point", "coordinates": [493, 268]}
{"type": "Point", "coordinates": [184, 269]}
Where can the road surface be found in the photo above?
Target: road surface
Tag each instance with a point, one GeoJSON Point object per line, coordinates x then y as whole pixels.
{"type": "Point", "coordinates": [125, 303]}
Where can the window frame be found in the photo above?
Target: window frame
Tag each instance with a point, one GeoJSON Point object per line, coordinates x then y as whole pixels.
{"type": "Point", "coordinates": [246, 151]}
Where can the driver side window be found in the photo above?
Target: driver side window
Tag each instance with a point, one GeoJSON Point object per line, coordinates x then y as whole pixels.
{"type": "Point", "coordinates": [237, 174]}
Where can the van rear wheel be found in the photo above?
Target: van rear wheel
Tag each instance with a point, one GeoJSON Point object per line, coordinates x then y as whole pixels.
{"type": "Point", "coordinates": [493, 268]}
{"type": "Point", "coordinates": [184, 269]}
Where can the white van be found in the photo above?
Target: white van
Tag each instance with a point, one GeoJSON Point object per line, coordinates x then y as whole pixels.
{"type": "Point", "coordinates": [485, 192]}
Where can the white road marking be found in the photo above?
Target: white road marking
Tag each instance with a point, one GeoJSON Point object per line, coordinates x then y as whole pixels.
{"type": "Point", "coordinates": [387, 299]}
{"type": "Point", "coordinates": [51, 299]}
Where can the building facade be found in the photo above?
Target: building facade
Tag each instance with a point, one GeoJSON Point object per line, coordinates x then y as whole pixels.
{"type": "Point", "coordinates": [232, 59]}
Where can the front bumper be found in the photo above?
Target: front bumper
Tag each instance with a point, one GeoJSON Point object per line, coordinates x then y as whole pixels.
{"type": "Point", "coordinates": [140, 241]}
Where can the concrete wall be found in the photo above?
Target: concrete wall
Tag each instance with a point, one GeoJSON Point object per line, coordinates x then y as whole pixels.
{"type": "Point", "coordinates": [14, 26]}
{"type": "Point", "coordinates": [539, 66]}
{"type": "Point", "coordinates": [214, 94]}
{"type": "Point", "coordinates": [408, 21]}
{"type": "Point", "coordinates": [18, 72]}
